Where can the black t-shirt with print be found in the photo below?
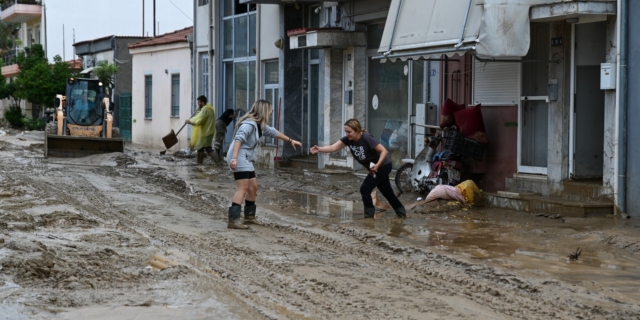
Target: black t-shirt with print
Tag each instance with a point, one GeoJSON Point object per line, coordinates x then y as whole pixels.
{"type": "Point", "coordinates": [363, 150]}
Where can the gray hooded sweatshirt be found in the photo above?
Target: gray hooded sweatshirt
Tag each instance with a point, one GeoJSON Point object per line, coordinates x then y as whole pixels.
{"type": "Point", "coordinates": [247, 134]}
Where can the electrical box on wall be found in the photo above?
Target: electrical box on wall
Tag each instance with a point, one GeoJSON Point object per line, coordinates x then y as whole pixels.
{"type": "Point", "coordinates": [607, 76]}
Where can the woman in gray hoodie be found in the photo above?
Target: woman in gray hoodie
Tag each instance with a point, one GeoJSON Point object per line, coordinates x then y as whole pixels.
{"type": "Point", "coordinates": [249, 129]}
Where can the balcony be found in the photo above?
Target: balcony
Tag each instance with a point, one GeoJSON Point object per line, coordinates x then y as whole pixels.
{"type": "Point", "coordinates": [9, 65]}
{"type": "Point", "coordinates": [18, 11]}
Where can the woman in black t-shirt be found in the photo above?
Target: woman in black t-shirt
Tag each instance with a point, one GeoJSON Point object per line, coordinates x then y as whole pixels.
{"type": "Point", "coordinates": [371, 154]}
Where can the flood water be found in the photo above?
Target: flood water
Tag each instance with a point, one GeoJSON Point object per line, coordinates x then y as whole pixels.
{"type": "Point", "coordinates": [482, 236]}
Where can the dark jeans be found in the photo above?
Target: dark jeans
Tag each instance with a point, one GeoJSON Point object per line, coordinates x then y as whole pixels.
{"type": "Point", "coordinates": [218, 139]}
{"type": "Point", "coordinates": [381, 181]}
{"type": "Point", "coordinates": [205, 149]}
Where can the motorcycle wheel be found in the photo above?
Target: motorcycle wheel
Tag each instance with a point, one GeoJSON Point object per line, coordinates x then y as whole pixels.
{"type": "Point", "coordinates": [444, 177]}
{"type": "Point", "coordinates": [403, 178]}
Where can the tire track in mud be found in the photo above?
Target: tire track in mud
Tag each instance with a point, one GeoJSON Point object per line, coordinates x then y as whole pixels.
{"type": "Point", "coordinates": [287, 293]}
{"type": "Point", "coordinates": [483, 284]}
{"type": "Point", "coordinates": [278, 289]}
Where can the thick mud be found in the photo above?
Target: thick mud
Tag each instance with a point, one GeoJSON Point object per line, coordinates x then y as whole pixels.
{"type": "Point", "coordinates": [139, 235]}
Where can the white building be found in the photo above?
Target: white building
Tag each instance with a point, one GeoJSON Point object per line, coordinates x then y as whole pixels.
{"type": "Point", "coordinates": [161, 87]}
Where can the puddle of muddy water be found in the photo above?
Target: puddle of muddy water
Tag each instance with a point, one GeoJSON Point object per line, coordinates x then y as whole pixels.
{"type": "Point", "coordinates": [311, 204]}
{"type": "Point", "coordinates": [477, 238]}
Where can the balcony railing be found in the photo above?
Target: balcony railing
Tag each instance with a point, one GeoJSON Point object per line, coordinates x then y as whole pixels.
{"type": "Point", "coordinates": [8, 3]}
{"type": "Point", "coordinates": [9, 58]}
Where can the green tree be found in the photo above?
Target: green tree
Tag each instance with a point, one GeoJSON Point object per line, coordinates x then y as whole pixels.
{"type": "Point", "coordinates": [8, 89]}
{"type": "Point", "coordinates": [7, 36]}
{"type": "Point", "coordinates": [106, 73]}
{"type": "Point", "coordinates": [38, 82]}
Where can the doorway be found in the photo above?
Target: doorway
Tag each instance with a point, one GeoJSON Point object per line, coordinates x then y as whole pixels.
{"type": "Point", "coordinates": [534, 106]}
{"type": "Point", "coordinates": [310, 128]}
{"type": "Point", "coordinates": [125, 117]}
{"type": "Point", "coordinates": [588, 101]}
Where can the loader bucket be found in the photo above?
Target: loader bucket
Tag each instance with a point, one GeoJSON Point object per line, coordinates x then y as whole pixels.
{"type": "Point", "coordinates": [73, 147]}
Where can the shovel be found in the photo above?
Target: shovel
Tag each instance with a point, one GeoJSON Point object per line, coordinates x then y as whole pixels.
{"type": "Point", "coordinates": [171, 139]}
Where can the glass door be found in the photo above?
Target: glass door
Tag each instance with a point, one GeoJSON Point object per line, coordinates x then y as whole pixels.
{"type": "Point", "coordinates": [533, 110]}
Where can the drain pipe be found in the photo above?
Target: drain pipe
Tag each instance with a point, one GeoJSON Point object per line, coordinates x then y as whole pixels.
{"type": "Point", "coordinates": [464, 26]}
{"type": "Point", "coordinates": [393, 31]}
{"type": "Point", "coordinates": [621, 199]}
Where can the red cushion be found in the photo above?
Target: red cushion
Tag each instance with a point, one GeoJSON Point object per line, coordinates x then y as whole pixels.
{"type": "Point", "coordinates": [446, 113]}
{"type": "Point", "coordinates": [471, 124]}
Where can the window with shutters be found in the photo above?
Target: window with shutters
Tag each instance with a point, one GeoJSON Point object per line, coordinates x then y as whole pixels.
{"type": "Point", "coordinates": [148, 95]}
{"type": "Point", "coordinates": [175, 95]}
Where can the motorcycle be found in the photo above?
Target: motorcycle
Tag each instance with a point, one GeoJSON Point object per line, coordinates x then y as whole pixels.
{"type": "Point", "coordinates": [430, 168]}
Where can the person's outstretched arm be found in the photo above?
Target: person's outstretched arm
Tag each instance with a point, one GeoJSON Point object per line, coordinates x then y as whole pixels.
{"type": "Point", "coordinates": [272, 132]}
{"type": "Point", "coordinates": [328, 149]}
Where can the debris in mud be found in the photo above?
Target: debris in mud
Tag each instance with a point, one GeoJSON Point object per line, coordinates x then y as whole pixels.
{"type": "Point", "coordinates": [60, 219]}
{"type": "Point", "coordinates": [182, 154]}
{"type": "Point", "coordinates": [550, 216]}
{"type": "Point", "coordinates": [576, 255]}
{"type": "Point", "coordinates": [123, 160]}
{"type": "Point", "coordinates": [622, 242]}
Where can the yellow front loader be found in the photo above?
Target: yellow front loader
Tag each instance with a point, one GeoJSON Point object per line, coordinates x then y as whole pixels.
{"type": "Point", "coordinates": [83, 122]}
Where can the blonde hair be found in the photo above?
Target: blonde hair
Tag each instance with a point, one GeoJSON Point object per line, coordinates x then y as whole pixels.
{"type": "Point", "coordinates": [260, 113]}
{"type": "Point", "coordinates": [355, 125]}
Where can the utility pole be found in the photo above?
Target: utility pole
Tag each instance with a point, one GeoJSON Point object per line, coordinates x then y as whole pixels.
{"type": "Point", "coordinates": [143, 18]}
{"type": "Point", "coordinates": [154, 18]}
{"type": "Point", "coordinates": [63, 56]}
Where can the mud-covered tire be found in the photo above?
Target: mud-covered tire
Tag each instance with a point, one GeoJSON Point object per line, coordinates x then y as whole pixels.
{"type": "Point", "coordinates": [51, 128]}
{"type": "Point", "coordinates": [403, 178]}
{"type": "Point", "coordinates": [115, 133]}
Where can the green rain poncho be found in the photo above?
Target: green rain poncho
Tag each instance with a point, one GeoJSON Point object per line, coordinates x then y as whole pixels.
{"type": "Point", "coordinates": [204, 128]}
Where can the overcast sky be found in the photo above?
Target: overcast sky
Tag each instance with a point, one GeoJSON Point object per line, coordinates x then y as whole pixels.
{"type": "Point", "coordinates": [93, 19]}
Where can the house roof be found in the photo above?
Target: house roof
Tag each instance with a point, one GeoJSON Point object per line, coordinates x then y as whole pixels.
{"type": "Point", "coordinates": [167, 38]}
{"type": "Point", "coordinates": [106, 37]}
{"type": "Point", "coordinates": [75, 64]}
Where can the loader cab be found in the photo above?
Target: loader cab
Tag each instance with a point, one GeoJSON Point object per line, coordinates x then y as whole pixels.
{"type": "Point", "coordinates": [84, 102]}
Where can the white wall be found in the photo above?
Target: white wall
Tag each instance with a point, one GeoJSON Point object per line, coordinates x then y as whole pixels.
{"type": "Point", "coordinates": [175, 58]}
{"type": "Point", "coordinates": [202, 24]}
{"type": "Point", "coordinates": [269, 31]}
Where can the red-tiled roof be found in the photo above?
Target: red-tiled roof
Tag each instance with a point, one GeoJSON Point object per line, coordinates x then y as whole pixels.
{"type": "Point", "coordinates": [171, 37]}
{"type": "Point", "coordinates": [75, 64]}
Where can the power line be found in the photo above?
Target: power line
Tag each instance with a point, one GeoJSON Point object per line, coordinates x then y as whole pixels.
{"type": "Point", "coordinates": [180, 10]}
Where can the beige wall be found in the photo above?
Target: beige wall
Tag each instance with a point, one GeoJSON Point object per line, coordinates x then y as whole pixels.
{"type": "Point", "coordinates": [175, 59]}
{"type": "Point", "coordinates": [269, 31]}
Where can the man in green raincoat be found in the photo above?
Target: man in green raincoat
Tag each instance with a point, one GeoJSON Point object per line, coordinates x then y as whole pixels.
{"type": "Point", "coordinates": [204, 128]}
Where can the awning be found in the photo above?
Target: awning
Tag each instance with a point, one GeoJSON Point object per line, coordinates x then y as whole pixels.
{"type": "Point", "coordinates": [87, 70]}
{"type": "Point", "coordinates": [423, 29]}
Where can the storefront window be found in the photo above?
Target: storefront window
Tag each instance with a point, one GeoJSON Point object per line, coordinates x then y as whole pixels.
{"type": "Point", "coordinates": [388, 107]}
{"type": "Point", "coordinates": [238, 56]}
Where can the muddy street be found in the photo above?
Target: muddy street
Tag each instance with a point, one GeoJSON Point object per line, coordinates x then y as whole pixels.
{"type": "Point", "coordinates": [139, 235]}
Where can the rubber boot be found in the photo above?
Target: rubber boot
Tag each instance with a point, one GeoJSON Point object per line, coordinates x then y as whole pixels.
{"type": "Point", "coordinates": [401, 212]}
{"type": "Point", "coordinates": [215, 156]}
{"type": "Point", "coordinates": [250, 215]}
{"type": "Point", "coordinates": [234, 218]}
{"type": "Point", "coordinates": [200, 159]}
{"type": "Point", "coordinates": [369, 213]}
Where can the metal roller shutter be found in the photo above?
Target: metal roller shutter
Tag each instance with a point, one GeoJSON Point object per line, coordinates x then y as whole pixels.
{"type": "Point", "coordinates": [496, 83]}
